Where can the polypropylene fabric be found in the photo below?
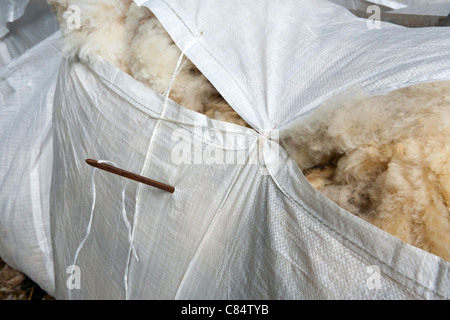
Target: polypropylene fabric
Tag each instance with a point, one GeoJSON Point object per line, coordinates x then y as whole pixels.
{"type": "Point", "coordinates": [32, 23]}
{"type": "Point", "coordinates": [276, 74]}
{"type": "Point", "coordinates": [27, 86]}
{"type": "Point", "coordinates": [252, 230]}
{"type": "Point", "coordinates": [29, 63]}
{"type": "Point", "coordinates": [228, 231]}
{"type": "Point", "coordinates": [10, 11]}
{"type": "Point", "coordinates": [398, 4]}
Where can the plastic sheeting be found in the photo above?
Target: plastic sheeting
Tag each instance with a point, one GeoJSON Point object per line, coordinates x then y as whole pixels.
{"type": "Point", "coordinates": [252, 230]}
{"type": "Point", "coordinates": [28, 72]}
{"type": "Point", "coordinates": [35, 24]}
{"type": "Point", "coordinates": [27, 85]}
{"type": "Point", "coordinates": [320, 57]}
{"type": "Point", "coordinates": [10, 11]}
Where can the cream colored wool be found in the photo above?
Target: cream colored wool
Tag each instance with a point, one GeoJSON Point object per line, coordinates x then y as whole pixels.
{"type": "Point", "coordinates": [383, 158]}
{"type": "Point", "coordinates": [132, 39]}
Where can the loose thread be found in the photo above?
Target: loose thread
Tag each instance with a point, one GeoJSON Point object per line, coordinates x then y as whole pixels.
{"type": "Point", "coordinates": [91, 217]}
{"type": "Point", "coordinates": [88, 228]}
{"type": "Point", "coordinates": [178, 68]}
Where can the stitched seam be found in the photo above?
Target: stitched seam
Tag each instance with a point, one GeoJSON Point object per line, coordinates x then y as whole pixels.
{"type": "Point", "coordinates": [205, 141]}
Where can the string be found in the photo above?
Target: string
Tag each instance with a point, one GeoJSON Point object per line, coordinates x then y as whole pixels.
{"type": "Point", "coordinates": [88, 228]}
{"type": "Point", "coordinates": [91, 217]}
{"type": "Point", "coordinates": [178, 68]}
{"type": "Point", "coordinates": [124, 212]}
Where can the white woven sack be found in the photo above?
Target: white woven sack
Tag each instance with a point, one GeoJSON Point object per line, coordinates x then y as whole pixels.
{"type": "Point", "coordinates": [10, 11]}
{"type": "Point", "coordinates": [27, 85]}
{"type": "Point", "coordinates": [253, 230]}
{"type": "Point", "coordinates": [23, 24]}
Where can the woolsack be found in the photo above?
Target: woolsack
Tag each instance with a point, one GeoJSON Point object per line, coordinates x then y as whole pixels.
{"type": "Point", "coordinates": [388, 154]}
{"type": "Point", "coordinates": [382, 172]}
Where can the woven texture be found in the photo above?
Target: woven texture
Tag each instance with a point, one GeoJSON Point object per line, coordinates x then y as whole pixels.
{"type": "Point", "coordinates": [229, 231]}
{"type": "Point", "coordinates": [251, 230]}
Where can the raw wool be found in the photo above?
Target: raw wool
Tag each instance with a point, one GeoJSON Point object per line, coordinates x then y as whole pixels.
{"type": "Point", "coordinates": [385, 159]}
{"type": "Point", "coordinates": [133, 40]}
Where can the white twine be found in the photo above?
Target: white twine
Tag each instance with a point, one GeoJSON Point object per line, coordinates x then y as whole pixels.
{"type": "Point", "coordinates": [91, 217]}
{"type": "Point", "coordinates": [178, 68]}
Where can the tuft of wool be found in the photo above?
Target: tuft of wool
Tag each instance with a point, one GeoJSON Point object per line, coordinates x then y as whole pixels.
{"type": "Point", "coordinates": [132, 39]}
{"type": "Point", "coordinates": [101, 32]}
{"type": "Point", "coordinates": [384, 158]}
